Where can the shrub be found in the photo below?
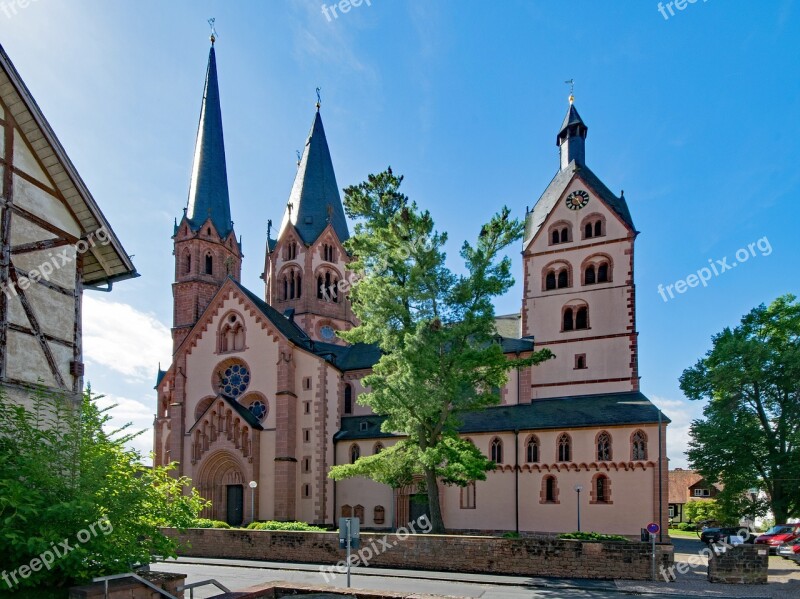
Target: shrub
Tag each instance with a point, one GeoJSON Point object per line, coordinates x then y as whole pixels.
{"type": "Point", "coordinates": [290, 526]}
{"type": "Point", "coordinates": [63, 478]}
{"type": "Point", "coordinates": [511, 535]}
{"type": "Point", "coordinates": [592, 536]}
{"type": "Point", "coordinates": [206, 523]}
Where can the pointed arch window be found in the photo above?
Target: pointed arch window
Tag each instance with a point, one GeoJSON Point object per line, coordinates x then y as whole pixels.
{"type": "Point", "coordinates": [564, 445]}
{"type": "Point", "coordinates": [603, 447]}
{"type": "Point", "coordinates": [532, 450]}
{"type": "Point", "coordinates": [327, 286]}
{"type": "Point", "coordinates": [187, 263]}
{"type": "Point", "coordinates": [231, 334]}
{"type": "Point", "coordinates": [355, 453]}
{"type": "Point", "coordinates": [639, 446]}
{"type": "Point", "coordinates": [497, 450]}
{"type": "Point", "coordinates": [209, 264]}
{"type": "Point", "coordinates": [378, 447]}
{"type": "Point", "coordinates": [291, 250]}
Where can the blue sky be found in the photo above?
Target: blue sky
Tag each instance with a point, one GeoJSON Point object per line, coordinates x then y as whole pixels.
{"type": "Point", "coordinates": [694, 116]}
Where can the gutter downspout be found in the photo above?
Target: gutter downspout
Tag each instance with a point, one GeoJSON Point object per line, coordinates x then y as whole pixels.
{"type": "Point", "coordinates": [516, 480]}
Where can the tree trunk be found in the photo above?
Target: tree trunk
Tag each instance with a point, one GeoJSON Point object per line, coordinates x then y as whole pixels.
{"type": "Point", "coordinates": [432, 487]}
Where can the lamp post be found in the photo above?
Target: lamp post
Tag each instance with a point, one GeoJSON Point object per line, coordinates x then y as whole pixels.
{"type": "Point", "coordinates": [660, 460]}
{"type": "Point", "coordinates": [578, 489]}
{"type": "Point", "coordinates": [253, 485]}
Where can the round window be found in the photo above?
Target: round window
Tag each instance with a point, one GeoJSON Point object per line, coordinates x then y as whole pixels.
{"type": "Point", "coordinates": [258, 409]}
{"type": "Point", "coordinates": [235, 380]}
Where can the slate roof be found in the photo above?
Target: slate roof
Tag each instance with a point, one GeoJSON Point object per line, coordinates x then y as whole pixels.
{"type": "Point", "coordinates": [536, 217]}
{"type": "Point", "coordinates": [160, 377]}
{"type": "Point", "coordinates": [605, 409]}
{"type": "Point", "coordinates": [572, 118]}
{"type": "Point", "coordinates": [315, 191]}
{"type": "Point", "coordinates": [242, 411]}
{"type": "Point", "coordinates": [208, 191]}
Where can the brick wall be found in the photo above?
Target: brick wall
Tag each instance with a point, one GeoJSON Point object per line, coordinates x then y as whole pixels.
{"type": "Point", "coordinates": [485, 555]}
{"type": "Point", "coordinates": [744, 564]}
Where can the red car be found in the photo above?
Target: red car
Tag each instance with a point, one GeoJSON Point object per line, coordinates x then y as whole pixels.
{"type": "Point", "coordinates": [778, 535]}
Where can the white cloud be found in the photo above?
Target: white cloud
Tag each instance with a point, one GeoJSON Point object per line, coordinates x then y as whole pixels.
{"type": "Point", "coordinates": [124, 340]}
{"type": "Point", "coordinates": [135, 412]}
{"type": "Point", "coordinates": [681, 412]}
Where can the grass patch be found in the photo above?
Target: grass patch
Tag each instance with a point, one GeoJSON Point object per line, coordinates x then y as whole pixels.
{"type": "Point", "coordinates": [683, 534]}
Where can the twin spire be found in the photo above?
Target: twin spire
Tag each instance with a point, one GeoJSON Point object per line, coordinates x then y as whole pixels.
{"type": "Point", "coordinates": [208, 191]}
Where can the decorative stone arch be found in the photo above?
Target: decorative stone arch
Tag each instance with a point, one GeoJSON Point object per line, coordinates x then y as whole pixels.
{"type": "Point", "coordinates": [231, 332]}
{"type": "Point", "coordinates": [202, 406]}
{"type": "Point", "coordinates": [600, 493]}
{"type": "Point", "coordinates": [559, 227]}
{"type": "Point", "coordinates": [592, 220]}
{"type": "Point", "coordinates": [219, 470]}
{"type": "Point", "coordinates": [290, 282]}
{"type": "Point", "coordinates": [549, 492]}
{"type": "Point", "coordinates": [603, 445]}
{"type": "Point", "coordinates": [570, 314]}
{"type": "Point", "coordinates": [556, 267]}
{"type": "Point", "coordinates": [326, 280]}
{"type": "Point", "coordinates": [595, 261]}
{"type": "Point", "coordinates": [638, 444]}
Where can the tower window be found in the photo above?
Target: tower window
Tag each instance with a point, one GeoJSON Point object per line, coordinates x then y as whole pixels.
{"type": "Point", "coordinates": [589, 276]}
{"type": "Point", "coordinates": [602, 273]}
{"type": "Point", "coordinates": [598, 228]}
{"type": "Point", "coordinates": [348, 398]}
{"type": "Point", "coordinates": [187, 264]}
{"type": "Point", "coordinates": [582, 318]}
{"type": "Point", "coordinates": [328, 253]}
{"type": "Point", "coordinates": [209, 264]}
{"type": "Point", "coordinates": [292, 284]}
{"type": "Point", "coordinates": [560, 232]}
{"type": "Point", "coordinates": [580, 361]}
{"type": "Point", "coordinates": [291, 250]}
{"type": "Point", "coordinates": [550, 281]}
{"type": "Point", "coordinates": [554, 238]}
{"type": "Point", "coordinates": [564, 235]}
{"type": "Point", "coordinates": [593, 226]}
{"type": "Point", "coordinates": [563, 279]}
{"type": "Point", "coordinates": [569, 323]}
{"type": "Point", "coordinates": [587, 231]}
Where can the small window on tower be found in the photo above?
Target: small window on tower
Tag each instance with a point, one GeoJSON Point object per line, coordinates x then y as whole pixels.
{"type": "Point", "coordinates": [580, 361]}
{"type": "Point", "coordinates": [209, 264]}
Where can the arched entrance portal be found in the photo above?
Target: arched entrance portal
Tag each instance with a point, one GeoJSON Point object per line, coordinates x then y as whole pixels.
{"type": "Point", "coordinates": [221, 481]}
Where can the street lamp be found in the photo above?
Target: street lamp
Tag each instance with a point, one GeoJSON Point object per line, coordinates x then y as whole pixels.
{"type": "Point", "coordinates": [253, 485]}
{"type": "Point", "coordinates": [578, 489]}
{"type": "Point", "coordinates": [660, 481]}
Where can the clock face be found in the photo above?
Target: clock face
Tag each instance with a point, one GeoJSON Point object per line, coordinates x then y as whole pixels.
{"type": "Point", "coordinates": [577, 199]}
{"type": "Point", "coordinates": [327, 332]}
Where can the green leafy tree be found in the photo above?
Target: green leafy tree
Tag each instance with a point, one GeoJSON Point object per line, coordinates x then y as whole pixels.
{"type": "Point", "coordinates": [749, 436]}
{"type": "Point", "coordinates": [697, 511]}
{"type": "Point", "coordinates": [63, 478]}
{"type": "Point", "coordinates": [440, 353]}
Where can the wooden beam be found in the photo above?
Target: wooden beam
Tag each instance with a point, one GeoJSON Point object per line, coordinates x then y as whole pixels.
{"type": "Point", "coordinates": [5, 246]}
{"type": "Point", "coordinates": [49, 227]}
{"type": "Point", "coordinates": [36, 246]}
{"type": "Point", "coordinates": [28, 331]}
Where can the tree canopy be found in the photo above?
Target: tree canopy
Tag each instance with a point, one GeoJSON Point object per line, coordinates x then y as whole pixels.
{"type": "Point", "coordinates": [441, 355]}
{"type": "Point", "coordinates": [749, 436]}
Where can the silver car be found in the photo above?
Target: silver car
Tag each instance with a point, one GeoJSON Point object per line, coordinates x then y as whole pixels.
{"type": "Point", "coordinates": [790, 550]}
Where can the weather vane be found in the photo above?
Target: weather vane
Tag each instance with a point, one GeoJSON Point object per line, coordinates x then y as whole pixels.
{"type": "Point", "coordinates": [319, 98]}
{"type": "Point", "coordinates": [211, 22]}
{"type": "Point", "coordinates": [571, 83]}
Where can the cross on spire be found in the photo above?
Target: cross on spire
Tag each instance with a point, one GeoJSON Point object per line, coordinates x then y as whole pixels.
{"type": "Point", "coordinates": [211, 22]}
{"type": "Point", "coordinates": [319, 98]}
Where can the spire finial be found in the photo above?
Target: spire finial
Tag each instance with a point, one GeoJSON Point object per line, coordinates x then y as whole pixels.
{"type": "Point", "coordinates": [571, 83]}
{"type": "Point", "coordinates": [299, 157]}
{"type": "Point", "coordinates": [211, 22]}
{"type": "Point", "coordinates": [319, 98]}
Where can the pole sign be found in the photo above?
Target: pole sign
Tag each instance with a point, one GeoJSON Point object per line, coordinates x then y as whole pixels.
{"type": "Point", "coordinates": [355, 533]}
{"type": "Point", "coordinates": [653, 528]}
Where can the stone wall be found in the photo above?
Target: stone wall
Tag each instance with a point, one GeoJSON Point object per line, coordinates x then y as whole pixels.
{"type": "Point", "coordinates": [744, 564]}
{"type": "Point", "coordinates": [484, 555]}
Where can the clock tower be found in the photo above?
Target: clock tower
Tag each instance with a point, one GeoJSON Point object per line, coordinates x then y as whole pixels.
{"type": "Point", "coordinates": [579, 294]}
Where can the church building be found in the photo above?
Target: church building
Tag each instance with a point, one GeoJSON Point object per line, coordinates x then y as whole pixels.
{"type": "Point", "coordinates": [261, 390]}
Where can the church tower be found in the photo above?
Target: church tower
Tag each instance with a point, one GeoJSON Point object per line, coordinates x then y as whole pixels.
{"type": "Point", "coordinates": [304, 269]}
{"type": "Point", "coordinates": [579, 293]}
{"type": "Point", "coordinates": [205, 247]}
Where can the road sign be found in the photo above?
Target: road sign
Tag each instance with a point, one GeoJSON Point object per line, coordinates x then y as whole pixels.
{"type": "Point", "coordinates": [653, 528]}
{"type": "Point", "coordinates": [355, 533]}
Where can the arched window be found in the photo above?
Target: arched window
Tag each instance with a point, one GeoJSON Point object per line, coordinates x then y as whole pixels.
{"type": "Point", "coordinates": [598, 228]}
{"type": "Point", "coordinates": [358, 512]}
{"type": "Point", "coordinates": [285, 287]}
{"type": "Point", "coordinates": [549, 493]}
{"type": "Point", "coordinates": [564, 235]}
{"type": "Point", "coordinates": [377, 448]}
{"type": "Point", "coordinates": [532, 450]}
{"type": "Point", "coordinates": [593, 226]}
{"type": "Point", "coordinates": [602, 273]}
{"type": "Point", "coordinates": [468, 496]}
{"type": "Point", "coordinates": [291, 250]}
{"type": "Point", "coordinates": [582, 318]}
{"type": "Point", "coordinates": [497, 450]}
{"type": "Point", "coordinates": [379, 514]}
{"type": "Point", "coordinates": [554, 237]}
{"type": "Point", "coordinates": [589, 276]}
{"type": "Point", "coordinates": [320, 286]}
{"type": "Point", "coordinates": [187, 263]}
{"type": "Point", "coordinates": [355, 453]}
{"type": "Point", "coordinates": [348, 398]}
{"type": "Point", "coordinates": [292, 284]}
{"type": "Point", "coordinates": [568, 322]}
{"type": "Point", "coordinates": [550, 281]}
{"type": "Point", "coordinates": [347, 511]}
{"type": "Point", "coordinates": [603, 447]}
{"type": "Point", "coordinates": [563, 279]}
{"type": "Point", "coordinates": [601, 489]}
{"type": "Point", "coordinates": [639, 446]}
{"type": "Point", "coordinates": [209, 264]}
{"type": "Point", "coordinates": [560, 232]}
{"type": "Point", "coordinates": [587, 231]}
{"type": "Point", "coordinates": [231, 333]}
{"type": "Point", "coordinates": [564, 445]}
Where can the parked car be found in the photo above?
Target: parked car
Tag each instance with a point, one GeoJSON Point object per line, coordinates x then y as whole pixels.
{"type": "Point", "coordinates": [715, 534]}
{"type": "Point", "coordinates": [778, 535]}
{"type": "Point", "coordinates": [790, 550]}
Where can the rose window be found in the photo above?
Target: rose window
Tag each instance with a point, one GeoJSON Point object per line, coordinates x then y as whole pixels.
{"type": "Point", "coordinates": [258, 409]}
{"type": "Point", "coordinates": [235, 380]}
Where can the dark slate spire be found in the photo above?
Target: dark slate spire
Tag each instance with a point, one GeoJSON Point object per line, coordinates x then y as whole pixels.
{"type": "Point", "coordinates": [208, 192]}
{"type": "Point", "coordinates": [315, 200]}
{"type": "Point", "coordinates": [572, 137]}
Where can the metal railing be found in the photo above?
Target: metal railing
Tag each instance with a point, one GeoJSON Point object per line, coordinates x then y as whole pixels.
{"type": "Point", "coordinates": [202, 583]}
{"type": "Point", "coordinates": [136, 577]}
